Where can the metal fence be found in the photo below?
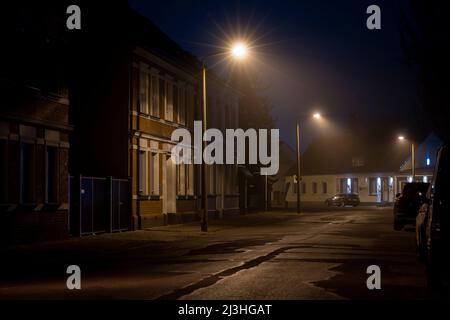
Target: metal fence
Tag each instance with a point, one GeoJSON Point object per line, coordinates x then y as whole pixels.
{"type": "Point", "coordinates": [98, 205]}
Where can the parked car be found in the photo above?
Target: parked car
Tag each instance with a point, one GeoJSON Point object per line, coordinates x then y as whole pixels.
{"type": "Point", "coordinates": [433, 223]}
{"type": "Point", "coordinates": [343, 199]}
{"type": "Point", "coordinates": [408, 202]}
{"type": "Point", "coordinates": [421, 226]}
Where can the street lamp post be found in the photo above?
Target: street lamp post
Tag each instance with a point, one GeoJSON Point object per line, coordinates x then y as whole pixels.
{"type": "Point", "coordinates": [413, 163]}
{"type": "Point", "coordinates": [316, 116]}
{"type": "Point", "coordinates": [204, 216]}
{"type": "Point", "coordinates": [298, 167]}
{"type": "Point", "coordinates": [238, 51]}
{"type": "Point", "coordinates": [413, 158]}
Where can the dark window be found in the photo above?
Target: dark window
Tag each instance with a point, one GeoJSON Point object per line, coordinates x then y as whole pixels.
{"type": "Point", "coordinates": [287, 187]}
{"type": "Point", "coordinates": [3, 171]}
{"type": "Point", "coordinates": [342, 185]}
{"type": "Point", "coordinates": [303, 187]}
{"type": "Point", "coordinates": [314, 187]}
{"type": "Point", "coordinates": [373, 186]}
{"type": "Point", "coordinates": [358, 161]}
{"type": "Point", "coordinates": [276, 197]}
{"type": "Point", "coordinates": [51, 173]}
{"type": "Point", "coordinates": [355, 189]}
{"type": "Point", "coordinates": [324, 187]}
{"type": "Point", "coordinates": [26, 172]}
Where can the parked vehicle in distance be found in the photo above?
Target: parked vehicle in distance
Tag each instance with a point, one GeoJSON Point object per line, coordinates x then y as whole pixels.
{"type": "Point", "coordinates": [408, 202]}
{"type": "Point", "coordinates": [433, 229]}
{"type": "Point", "coordinates": [343, 199]}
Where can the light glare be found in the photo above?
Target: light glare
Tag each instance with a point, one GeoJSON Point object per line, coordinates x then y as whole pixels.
{"type": "Point", "coordinates": [239, 50]}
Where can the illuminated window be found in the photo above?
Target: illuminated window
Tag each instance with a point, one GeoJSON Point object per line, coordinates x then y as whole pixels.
{"type": "Point", "coordinates": [169, 101]}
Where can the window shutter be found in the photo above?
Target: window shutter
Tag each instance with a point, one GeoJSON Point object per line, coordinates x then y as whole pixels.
{"type": "Point", "coordinates": [182, 179]}
{"type": "Point", "coordinates": [182, 105]}
{"type": "Point", "coordinates": [155, 96]}
{"type": "Point", "coordinates": [155, 175]}
{"type": "Point", "coordinates": [143, 173]}
{"type": "Point", "coordinates": [143, 92]}
{"type": "Point", "coordinates": [190, 179]}
{"type": "Point", "coordinates": [169, 101]}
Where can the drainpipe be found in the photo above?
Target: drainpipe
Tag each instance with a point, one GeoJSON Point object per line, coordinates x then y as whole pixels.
{"type": "Point", "coordinates": [130, 138]}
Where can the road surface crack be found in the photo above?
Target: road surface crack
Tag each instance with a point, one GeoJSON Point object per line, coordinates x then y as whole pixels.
{"type": "Point", "coordinates": [211, 280]}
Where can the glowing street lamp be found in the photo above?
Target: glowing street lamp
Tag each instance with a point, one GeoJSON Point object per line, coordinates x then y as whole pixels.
{"type": "Point", "coordinates": [413, 160]}
{"type": "Point", "coordinates": [239, 51]}
{"type": "Point", "coordinates": [317, 115]}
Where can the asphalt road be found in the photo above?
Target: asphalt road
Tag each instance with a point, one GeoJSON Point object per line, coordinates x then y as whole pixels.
{"type": "Point", "coordinates": [276, 255]}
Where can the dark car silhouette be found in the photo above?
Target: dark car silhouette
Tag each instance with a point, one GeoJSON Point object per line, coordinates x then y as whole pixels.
{"type": "Point", "coordinates": [343, 199]}
{"type": "Point", "coordinates": [433, 224]}
{"type": "Point", "coordinates": [408, 202]}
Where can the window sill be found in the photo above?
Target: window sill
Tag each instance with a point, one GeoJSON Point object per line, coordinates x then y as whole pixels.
{"type": "Point", "coordinates": [186, 197]}
{"type": "Point", "coordinates": [231, 195]}
{"type": "Point", "coordinates": [149, 197]}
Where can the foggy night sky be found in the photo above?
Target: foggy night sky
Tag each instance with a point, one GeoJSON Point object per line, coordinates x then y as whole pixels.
{"type": "Point", "coordinates": [313, 55]}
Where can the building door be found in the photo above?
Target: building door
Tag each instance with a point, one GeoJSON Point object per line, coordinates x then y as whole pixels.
{"type": "Point", "coordinates": [169, 185]}
{"type": "Point", "coordinates": [384, 189]}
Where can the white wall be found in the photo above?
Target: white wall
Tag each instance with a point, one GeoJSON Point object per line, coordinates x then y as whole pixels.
{"type": "Point", "coordinates": [332, 182]}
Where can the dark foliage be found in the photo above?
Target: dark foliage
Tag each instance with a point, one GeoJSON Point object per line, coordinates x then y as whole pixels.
{"type": "Point", "coordinates": [426, 42]}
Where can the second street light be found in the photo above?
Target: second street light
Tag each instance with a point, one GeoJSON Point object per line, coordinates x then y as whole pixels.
{"type": "Point", "coordinates": [413, 160]}
{"type": "Point", "coordinates": [238, 51]}
{"type": "Point", "coordinates": [316, 116]}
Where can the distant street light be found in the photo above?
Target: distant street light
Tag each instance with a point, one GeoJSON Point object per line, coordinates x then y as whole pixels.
{"type": "Point", "coordinates": [413, 160]}
{"type": "Point", "coordinates": [239, 51]}
{"type": "Point", "coordinates": [315, 116]}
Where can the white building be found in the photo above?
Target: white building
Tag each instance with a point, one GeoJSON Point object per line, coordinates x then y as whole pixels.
{"type": "Point", "coordinates": [375, 172]}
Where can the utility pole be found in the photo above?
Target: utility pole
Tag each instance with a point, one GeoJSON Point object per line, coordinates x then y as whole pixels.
{"type": "Point", "coordinates": [298, 167]}
{"type": "Point", "coordinates": [413, 163]}
{"type": "Point", "coordinates": [204, 216]}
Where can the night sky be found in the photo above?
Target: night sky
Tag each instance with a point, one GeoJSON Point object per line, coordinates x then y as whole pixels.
{"type": "Point", "coordinates": [310, 55]}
